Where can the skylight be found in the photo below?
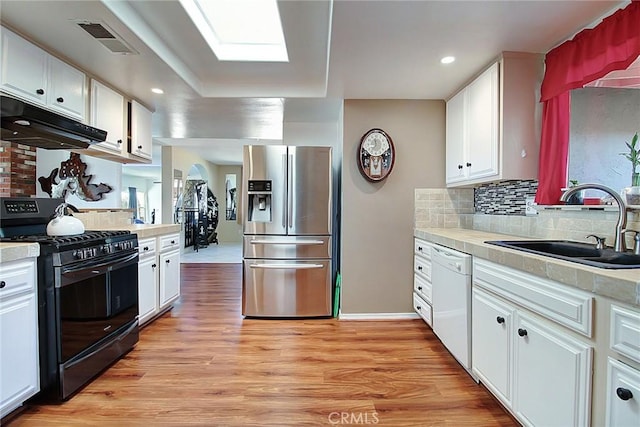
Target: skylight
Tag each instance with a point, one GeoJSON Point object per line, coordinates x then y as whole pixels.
{"type": "Point", "coordinates": [240, 30]}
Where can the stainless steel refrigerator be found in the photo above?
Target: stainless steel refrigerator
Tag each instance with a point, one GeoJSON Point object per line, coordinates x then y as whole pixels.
{"type": "Point", "coordinates": [287, 198]}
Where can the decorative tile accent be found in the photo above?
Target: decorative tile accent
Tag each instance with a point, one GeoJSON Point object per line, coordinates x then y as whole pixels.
{"type": "Point", "coordinates": [504, 198]}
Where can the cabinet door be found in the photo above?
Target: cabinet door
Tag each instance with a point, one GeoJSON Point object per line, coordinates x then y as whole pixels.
{"type": "Point", "coordinates": [24, 68]}
{"type": "Point", "coordinates": [492, 328]}
{"type": "Point", "coordinates": [169, 277]}
{"type": "Point", "coordinates": [107, 113]}
{"type": "Point", "coordinates": [455, 153]}
{"type": "Point", "coordinates": [552, 376]}
{"type": "Point", "coordinates": [623, 394]}
{"type": "Point", "coordinates": [67, 89]}
{"type": "Point", "coordinates": [147, 288]}
{"type": "Point", "coordinates": [19, 373]}
{"type": "Point", "coordinates": [482, 125]}
{"type": "Point", "coordinates": [140, 131]}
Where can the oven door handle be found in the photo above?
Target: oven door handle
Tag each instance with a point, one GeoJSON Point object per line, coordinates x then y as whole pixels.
{"type": "Point", "coordinates": [112, 264]}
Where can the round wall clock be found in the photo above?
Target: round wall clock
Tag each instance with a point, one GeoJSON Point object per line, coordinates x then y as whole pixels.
{"type": "Point", "coordinates": [376, 155]}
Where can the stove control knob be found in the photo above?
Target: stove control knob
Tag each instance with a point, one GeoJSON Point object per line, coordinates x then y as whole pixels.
{"type": "Point", "coordinates": [78, 254]}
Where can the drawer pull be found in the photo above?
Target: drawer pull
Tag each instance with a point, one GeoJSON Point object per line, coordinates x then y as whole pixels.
{"type": "Point", "coordinates": [500, 320]}
{"type": "Point", "coordinates": [522, 332]}
{"type": "Point", "coordinates": [40, 91]}
{"type": "Point", "coordinates": [419, 288]}
{"type": "Point", "coordinates": [419, 268]}
{"type": "Point", "coordinates": [624, 393]}
{"type": "Point", "coordinates": [3, 284]}
{"type": "Point", "coordinates": [60, 99]}
{"type": "Point", "coordinates": [153, 266]}
{"type": "Point", "coordinates": [173, 242]}
{"type": "Point", "coordinates": [420, 248]}
{"type": "Point", "coordinates": [146, 248]}
{"type": "Point", "coordinates": [418, 307]}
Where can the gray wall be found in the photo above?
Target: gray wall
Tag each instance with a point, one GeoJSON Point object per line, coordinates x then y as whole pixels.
{"type": "Point", "coordinates": [377, 218]}
{"type": "Point", "coordinates": [602, 120]}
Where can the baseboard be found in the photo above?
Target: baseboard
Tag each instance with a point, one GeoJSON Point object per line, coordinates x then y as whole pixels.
{"type": "Point", "coordinates": [377, 316]}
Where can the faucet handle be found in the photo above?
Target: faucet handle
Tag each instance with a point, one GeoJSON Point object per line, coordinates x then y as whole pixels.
{"type": "Point", "coordinates": [599, 241]}
{"type": "Point", "coordinates": [636, 241]}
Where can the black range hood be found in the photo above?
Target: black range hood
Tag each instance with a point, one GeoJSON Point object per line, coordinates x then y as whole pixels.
{"type": "Point", "coordinates": [30, 125]}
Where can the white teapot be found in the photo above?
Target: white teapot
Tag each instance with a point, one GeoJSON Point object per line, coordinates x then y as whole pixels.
{"type": "Point", "coordinates": [64, 225]}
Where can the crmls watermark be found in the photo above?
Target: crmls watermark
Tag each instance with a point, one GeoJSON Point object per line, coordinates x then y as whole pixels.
{"type": "Point", "coordinates": [337, 418]}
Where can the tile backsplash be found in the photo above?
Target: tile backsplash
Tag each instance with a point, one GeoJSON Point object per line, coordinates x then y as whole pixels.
{"type": "Point", "coordinates": [442, 207]}
{"type": "Point", "coordinates": [504, 198]}
{"type": "Point", "coordinates": [448, 208]}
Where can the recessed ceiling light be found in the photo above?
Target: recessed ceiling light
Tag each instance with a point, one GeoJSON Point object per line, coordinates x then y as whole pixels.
{"type": "Point", "coordinates": [448, 59]}
{"type": "Point", "coordinates": [246, 30]}
{"type": "Point", "coordinates": [157, 90]}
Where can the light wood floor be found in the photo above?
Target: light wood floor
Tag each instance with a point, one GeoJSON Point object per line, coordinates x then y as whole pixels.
{"type": "Point", "coordinates": [203, 364]}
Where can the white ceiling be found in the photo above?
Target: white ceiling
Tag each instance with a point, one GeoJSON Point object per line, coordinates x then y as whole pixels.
{"type": "Point", "coordinates": [361, 49]}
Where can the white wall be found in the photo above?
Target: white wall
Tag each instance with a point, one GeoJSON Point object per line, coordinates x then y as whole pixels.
{"type": "Point", "coordinates": [229, 231]}
{"type": "Point", "coordinates": [104, 171]}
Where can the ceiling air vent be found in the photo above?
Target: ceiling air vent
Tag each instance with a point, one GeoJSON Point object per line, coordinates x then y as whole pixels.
{"type": "Point", "coordinates": [107, 37]}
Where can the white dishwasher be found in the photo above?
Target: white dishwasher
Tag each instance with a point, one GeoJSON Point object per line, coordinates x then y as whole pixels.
{"type": "Point", "coordinates": [451, 297]}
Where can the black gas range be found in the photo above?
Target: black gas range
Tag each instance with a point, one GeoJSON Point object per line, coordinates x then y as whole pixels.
{"type": "Point", "coordinates": [87, 295]}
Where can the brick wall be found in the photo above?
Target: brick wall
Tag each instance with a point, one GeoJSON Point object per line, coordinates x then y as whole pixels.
{"type": "Point", "coordinates": [17, 170]}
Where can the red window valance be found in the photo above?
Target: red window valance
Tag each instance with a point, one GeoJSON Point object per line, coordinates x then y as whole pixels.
{"type": "Point", "coordinates": [612, 45]}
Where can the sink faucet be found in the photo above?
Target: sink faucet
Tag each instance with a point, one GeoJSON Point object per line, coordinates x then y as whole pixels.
{"type": "Point", "coordinates": [620, 244]}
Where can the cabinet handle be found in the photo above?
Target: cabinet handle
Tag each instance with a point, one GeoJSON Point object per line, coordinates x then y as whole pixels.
{"type": "Point", "coordinates": [419, 288]}
{"type": "Point", "coordinates": [419, 268]}
{"type": "Point", "coordinates": [60, 99]}
{"type": "Point", "coordinates": [139, 147]}
{"type": "Point", "coordinates": [420, 248]}
{"type": "Point", "coordinates": [168, 261]}
{"type": "Point", "coordinates": [173, 242]}
{"type": "Point", "coordinates": [146, 248]}
{"type": "Point", "coordinates": [624, 393]}
{"type": "Point", "coordinates": [119, 141]}
{"type": "Point", "coordinates": [468, 164]}
{"type": "Point", "coordinates": [40, 91]}
{"type": "Point", "coordinates": [153, 266]}
{"type": "Point", "coordinates": [522, 332]}
{"type": "Point", "coordinates": [500, 320]}
{"type": "Point", "coordinates": [3, 284]}
{"type": "Point", "coordinates": [418, 307]}
{"type": "Point", "coordinates": [459, 166]}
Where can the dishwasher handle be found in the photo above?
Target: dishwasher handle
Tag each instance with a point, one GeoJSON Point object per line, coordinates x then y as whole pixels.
{"type": "Point", "coordinates": [455, 261]}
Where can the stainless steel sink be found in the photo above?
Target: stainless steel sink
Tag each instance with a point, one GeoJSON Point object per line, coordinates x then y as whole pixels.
{"type": "Point", "coordinates": [583, 253]}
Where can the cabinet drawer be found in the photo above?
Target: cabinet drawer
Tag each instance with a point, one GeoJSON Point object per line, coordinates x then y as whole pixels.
{"type": "Point", "coordinates": [623, 382]}
{"type": "Point", "coordinates": [422, 308]}
{"type": "Point", "coordinates": [625, 332]}
{"type": "Point", "coordinates": [422, 248]}
{"type": "Point", "coordinates": [567, 306]}
{"type": "Point", "coordinates": [422, 267]}
{"type": "Point", "coordinates": [170, 241]}
{"type": "Point", "coordinates": [146, 248]}
{"type": "Point", "coordinates": [17, 277]}
{"type": "Point", "coordinates": [422, 287]}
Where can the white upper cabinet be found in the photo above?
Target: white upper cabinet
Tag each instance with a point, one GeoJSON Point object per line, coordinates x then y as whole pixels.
{"type": "Point", "coordinates": [493, 123]}
{"type": "Point", "coordinates": [140, 130]}
{"type": "Point", "coordinates": [30, 73]}
{"type": "Point", "coordinates": [108, 113]}
{"type": "Point", "coordinates": [67, 89]}
{"type": "Point", "coordinates": [24, 68]}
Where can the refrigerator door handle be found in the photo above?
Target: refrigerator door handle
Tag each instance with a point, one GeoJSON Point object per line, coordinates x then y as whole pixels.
{"type": "Point", "coordinates": [286, 242]}
{"type": "Point", "coordinates": [286, 266]}
{"type": "Point", "coordinates": [291, 194]}
{"type": "Point", "coordinates": [284, 191]}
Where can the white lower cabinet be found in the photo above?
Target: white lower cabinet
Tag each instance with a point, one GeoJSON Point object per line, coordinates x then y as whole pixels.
{"type": "Point", "coordinates": [539, 370]}
{"type": "Point", "coordinates": [19, 362]}
{"type": "Point", "coordinates": [492, 349]}
{"type": "Point", "coordinates": [623, 395]}
{"type": "Point", "coordinates": [422, 280]}
{"type": "Point", "coordinates": [147, 280]}
{"type": "Point", "coordinates": [158, 275]}
{"type": "Point", "coordinates": [169, 277]}
{"type": "Point", "coordinates": [552, 376]}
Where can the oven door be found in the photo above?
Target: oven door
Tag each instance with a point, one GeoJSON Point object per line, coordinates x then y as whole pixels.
{"type": "Point", "coordinates": [94, 300]}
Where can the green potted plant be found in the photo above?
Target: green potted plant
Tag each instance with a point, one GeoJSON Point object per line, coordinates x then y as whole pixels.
{"type": "Point", "coordinates": [633, 155]}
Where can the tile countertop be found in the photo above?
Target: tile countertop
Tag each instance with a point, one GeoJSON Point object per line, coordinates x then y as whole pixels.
{"type": "Point", "coordinates": [11, 251]}
{"type": "Point", "coordinates": [146, 230]}
{"type": "Point", "coordinates": [620, 285]}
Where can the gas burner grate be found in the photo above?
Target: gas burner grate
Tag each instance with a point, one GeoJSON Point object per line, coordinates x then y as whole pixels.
{"type": "Point", "coordinates": [60, 240]}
